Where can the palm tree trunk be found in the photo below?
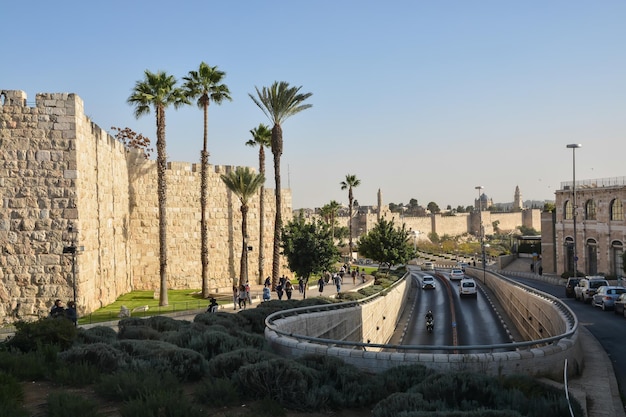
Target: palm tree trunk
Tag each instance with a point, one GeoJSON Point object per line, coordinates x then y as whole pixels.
{"type": "Point", "coordinates": [261, 216]}
{"type": "Point", "coordinates": [244, 247]}
{"type": "Point", "coordinates": [277, 150]}
{"type": "Point", "coordinates": [204, 235]}
{"type": "Point", "coordinates": [162, 197]}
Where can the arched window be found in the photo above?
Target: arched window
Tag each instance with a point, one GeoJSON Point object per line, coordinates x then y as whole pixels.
{"type": "Point", "coordinates": [567, 210]}
{"type": "Point", "coordinates": [617, 251]}
{"type": "Point", "coordinates": [616, 210]}
{"type": "Point", "coordinates": [590, 210]}
{"type": "Point", "coordinates": [592, 256]}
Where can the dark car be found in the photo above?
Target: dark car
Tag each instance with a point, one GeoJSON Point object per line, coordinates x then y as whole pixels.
{"type": "Point", "coordinates": [569, 287]}
{"type": "Point", "coordinates": [618, 307]}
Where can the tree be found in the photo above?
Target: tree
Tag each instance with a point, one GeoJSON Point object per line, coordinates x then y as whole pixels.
{"type": "Point", "coordinates": [433, 207]}
{"type": "Point", "coordinates": [158, 90]}
{"type": "Point", "coordinates": [204, 84]}
{"type": "Point", "coordinates": [308, 247]}
{"type": "Point", "coordinates": [329, 214]}
{"type": "Point", "coordinates": [244, 183]}
{"type": "Point", "coordinates": [279, 102]}
{"type": "Point", "coordinates": [261, 137]}
{"type": "Point", "coordinates": [133, 140]}
{"type": "Point", "coordinates": [549, 207]}
{"type": "Point", "coordinates": [388, 244]}
{"type": "Point", "coordinates": [528, 231]}
{"type": "Point", "coordinates": [349, 183]}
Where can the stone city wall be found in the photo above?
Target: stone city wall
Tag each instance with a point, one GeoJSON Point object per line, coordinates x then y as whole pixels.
{"type": "Point", "coordinates": [58, 168]}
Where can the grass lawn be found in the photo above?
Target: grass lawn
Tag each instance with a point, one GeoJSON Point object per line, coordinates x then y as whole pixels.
{"type": "Point", "coordinates": [179, 300]}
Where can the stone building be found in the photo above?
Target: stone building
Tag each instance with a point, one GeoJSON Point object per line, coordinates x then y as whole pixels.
{"type": "Point", "coordinates": [600, 228]}
{"type": "Point", "coordinates": [59, 169]}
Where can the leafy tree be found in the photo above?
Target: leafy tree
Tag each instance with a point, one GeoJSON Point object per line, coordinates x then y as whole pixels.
{"type": "Point", "coordinates": [159, 91]}
{"type": "Point", "coordinates": [261, 137]}
{"type": "Point", "coordinates": [133, 140]}
{"type": "Point", "coordinates": [349, 183]}
{"type": "Point", "coordinates": [433, 207]}
{"type": "Point", "coordinates": [204, 84]}
{"type": "Point", "coordinates": [549, 207]}
{"type": "Point", "coordinates": [308, 247]}
{"type": "Point", "coordinates": [528, 231]}
{"type": "Point", "coordinates": [244, 183]}
{"type": "Point", "coordinates": [460, 209]}
{"type": "Point", "coordinates": [278, 103]}
{"type": "Point", "coordinates": [388, 244]}
{"type": "Point", "coordinates": [329, 214]}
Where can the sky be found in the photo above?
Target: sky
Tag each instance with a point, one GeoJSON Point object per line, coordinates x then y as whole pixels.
{"type": "Point", "coordinates": [418, 99]}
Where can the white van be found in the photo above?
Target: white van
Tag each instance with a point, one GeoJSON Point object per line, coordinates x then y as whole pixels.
{"type": "Point", "coordinates": [428, 266]}
{"type": "Point", "coordinates": [467, 287]}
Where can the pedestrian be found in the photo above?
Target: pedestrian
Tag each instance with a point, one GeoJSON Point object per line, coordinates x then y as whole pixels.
{"type": "Point", "coordinates": [235, 297]}
{"type": "Point", "coordinates": [337, 280]}
{"type": "Point", "coordinates": [363, 275]}
{"type": "Point", "coordinates": [301, 285]}
{"type": "Point", "coordinates": [268, 282]}
{"type": "Point", "coordinates": [320, 284]}
{"type": "Point", "coordinates": [247, 288]}
{"type": "Point", "coordinates": [70, 312]}
{"type": "Point", "coordinates": [213, 306]}
{"type": "Point", "coordinates": [280, 289]}
{"type": "Point", "coordinates": [267, 295]}
{"type": "Point", "coordinates": [540, 270]}
{"type": "Point", "coordinates": [354, 274]}
{"type": "Point", "coordinates": [57, 309]}
{"type": "Point", "coordinates": [288, 289]}
{"type": "Point", "coordinates": [242, 297]}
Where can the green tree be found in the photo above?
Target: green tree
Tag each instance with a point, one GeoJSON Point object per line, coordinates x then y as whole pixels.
{"type": "Point", "coordinates": [244, 183]}
{"type": "Point", "coordinates": [261, 137]}
{"type": "Point", "coordinates": [549, 207]}
{"type": "Point", "coordinates": [387, 244]}
{"type": "Point", "coordinates": [528, 231]}
{"type": "Point", "coordinates": [433, 207]}
{"type": "Point", "coordinates": [329, 214]}
{"type": "Point", "coordinates": [159, 91]}
{"type": "Point", "coordinates": [204, 84]}
{"type": "Point", "coordinates": [279, 102]}
{"type": "Point", "coordinates": [308, 247]}
{"type": "Point", "coordinates": [350, 183]}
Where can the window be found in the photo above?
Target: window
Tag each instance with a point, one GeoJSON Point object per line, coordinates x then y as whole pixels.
{"type": "Point", "coordinates": [567, 209]}
{"type": "Point", "coordinates": [590, 210]}
{"type": "Point", "coordinates": [618, 261]}
{"type": "Point", "coordinates": [616, 210]}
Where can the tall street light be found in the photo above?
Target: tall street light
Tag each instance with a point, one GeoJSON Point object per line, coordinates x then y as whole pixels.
{"type": "Point", "coordinates": [482, 230]}
{"type": "Point", "coordinates": [573, 147]}
{"type": "Point", "coordinates": [72, 234]}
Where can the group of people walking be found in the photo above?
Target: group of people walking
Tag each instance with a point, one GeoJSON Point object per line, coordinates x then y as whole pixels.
{"type": "Point", "coordinates": [58, 311]}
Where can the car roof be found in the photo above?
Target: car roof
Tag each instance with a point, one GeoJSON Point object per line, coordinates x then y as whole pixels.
{"type": "Point", "coordinates": [428, 276]}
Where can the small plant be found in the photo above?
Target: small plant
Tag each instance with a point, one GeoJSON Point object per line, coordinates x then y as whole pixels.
{"type": "Point", "coordinates": [216, 392]}
{"type": "Point", "coordinates": [63, 404]}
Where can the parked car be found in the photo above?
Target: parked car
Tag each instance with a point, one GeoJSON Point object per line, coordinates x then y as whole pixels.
{"type": "Point", "coordinates": [467, 287]}
{"type": "Point", "coordinates": [428, 282]}
{"type": "Point", "coordinates": [618, 307]}
{"type": "Point", "coordinates": [456, 274]}
{"type": "Point", "coordinates": [587, 287]}
{"type": "Point", "coordinates": [570, 285]}
{"type": "Point", "coordinates": [605, 296]}
{"type": "Point", "coordinates": [428, 266]}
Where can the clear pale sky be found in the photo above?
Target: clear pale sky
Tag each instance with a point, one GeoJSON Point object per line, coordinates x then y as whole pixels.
{"type": "Point", "coordinates": [420, 99]}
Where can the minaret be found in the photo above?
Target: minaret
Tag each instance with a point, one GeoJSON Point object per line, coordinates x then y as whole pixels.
{"type": "Point", "coordinates": [517, 200]}
{"type": "Point", "coordinates": [380, 204]}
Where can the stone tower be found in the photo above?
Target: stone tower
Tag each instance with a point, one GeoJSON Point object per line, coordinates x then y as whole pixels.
{"type": "Point", "coordinates": [517, 200]}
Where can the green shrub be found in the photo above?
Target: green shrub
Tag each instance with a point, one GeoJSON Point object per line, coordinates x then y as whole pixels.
{"type": "Point", "coordinates": [165, 323]}
{"type": "Point", "coordinates": [161, 404]}
{"type": "Point", "coordinates": [226, 364]}
{"type": "Point", "coordinates": [98, 334]}
{"type": "Point", "coordinates": [268, 407]}
{"type": "Point", "coordinates": [33, 365]}
{"type": "Point", "coordinates": [216, 392]}
{"type": "Point", "coordinates": [401, 378]}
{"type": "Point", "coordinates": [30, 336]}
{"type": "Point", "coordinates": [77, 374]}
{"type": "Point", "coordinates": [13, 410]}
{"type": "Point", "coordinates": [138, 332]}
{"type": "Point", "coordinates": [101, 356]}
{"type": "Point", "coordinates": [10, 390]}
{"type": "Point", "coordinates": [126, 385]}
{"type": "Point", "coordinates": [63, 404]}
{"type": "Point", "coordinates": [283, 380]}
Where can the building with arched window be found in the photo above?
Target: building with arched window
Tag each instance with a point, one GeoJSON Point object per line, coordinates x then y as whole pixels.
{"type": "Point", "coordinates": [598, 211]}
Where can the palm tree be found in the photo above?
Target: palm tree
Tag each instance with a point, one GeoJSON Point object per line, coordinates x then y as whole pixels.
{"type": "Point", "coordinates": [158, 90]}
{"type": "Point", "coordinates": [329, 213]}
{"type": "Point", "coordinates": [261, 137]}
{"type": "Point", "coordinates": [204, 84]}
{"type": "Point", "coordinates": [244, 183]}
{"type": "Point", "coordinates": [350, 182]}
{"type": "Point", "coordinates": [278, 103]}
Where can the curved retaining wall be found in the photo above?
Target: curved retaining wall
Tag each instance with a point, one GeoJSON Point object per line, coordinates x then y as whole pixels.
{"type": "Point", "coordinates": [357, 334]}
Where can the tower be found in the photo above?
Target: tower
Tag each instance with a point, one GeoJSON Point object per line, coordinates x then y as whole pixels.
{"type": "Point", "coordinates": [517, 200]}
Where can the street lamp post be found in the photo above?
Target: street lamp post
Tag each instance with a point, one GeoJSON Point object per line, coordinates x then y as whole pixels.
{"type": "Point", "coordinates": [72, 234]}
{"type": "Point", "coordinates": [482, 230]}
{"type": "Point", "coordinates": [573, 147]}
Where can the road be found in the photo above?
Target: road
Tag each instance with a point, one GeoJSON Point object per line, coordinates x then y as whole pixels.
{"type": "Point", "coordinates": [606, 327]}
{"type": "Point", "coordinates": [458, 321]}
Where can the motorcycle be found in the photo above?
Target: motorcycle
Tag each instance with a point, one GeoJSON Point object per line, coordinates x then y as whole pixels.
{"type": "Point", "coordinates": [430, 325]}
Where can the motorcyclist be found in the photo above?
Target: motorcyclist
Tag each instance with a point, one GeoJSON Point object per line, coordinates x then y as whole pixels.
{"type": "Point", "coordinates": [429, 316]}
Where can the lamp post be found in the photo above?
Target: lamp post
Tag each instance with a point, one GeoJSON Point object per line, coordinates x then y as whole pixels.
{"type": "Point", "coordinates": [482, 231]}
{"type": "Point", "coordinates": [72, 234]}
{"type": "Point", "coordinates": [573, 147]}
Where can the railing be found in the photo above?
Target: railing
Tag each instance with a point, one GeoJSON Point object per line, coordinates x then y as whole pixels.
{"type": "Point", "coordinates": [596, 183]}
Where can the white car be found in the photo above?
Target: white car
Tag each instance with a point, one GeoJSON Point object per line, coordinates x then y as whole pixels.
{"type": "Point", "coordinates": [456, 274]}
{"type": "Point", "coordinates": [428, 266]}
{"type": "Point", "coordinates": [428, 282]}
{"type": "Point", "coordinates": [467, 288]}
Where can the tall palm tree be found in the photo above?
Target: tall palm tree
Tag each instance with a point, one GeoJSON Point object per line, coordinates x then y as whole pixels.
{"type": "Point", "coordinates": [244, 183]}
{"type": "Point", "coordinates": [261, 137]}
{"type": "Point", "coordinates": [278, 102]}
{"type": "Point", "coordinates": [204, 84]}
{"type": "Point", "coordinates": [158, 90]}
{"type": "Point", "coordinates": [329, 212]}
{"type": "Point", "coordinates": [350, 182]}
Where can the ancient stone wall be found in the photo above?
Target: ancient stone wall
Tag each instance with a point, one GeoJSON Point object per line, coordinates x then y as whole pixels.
{"type": "Point", "coordinates": [58, 168]}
